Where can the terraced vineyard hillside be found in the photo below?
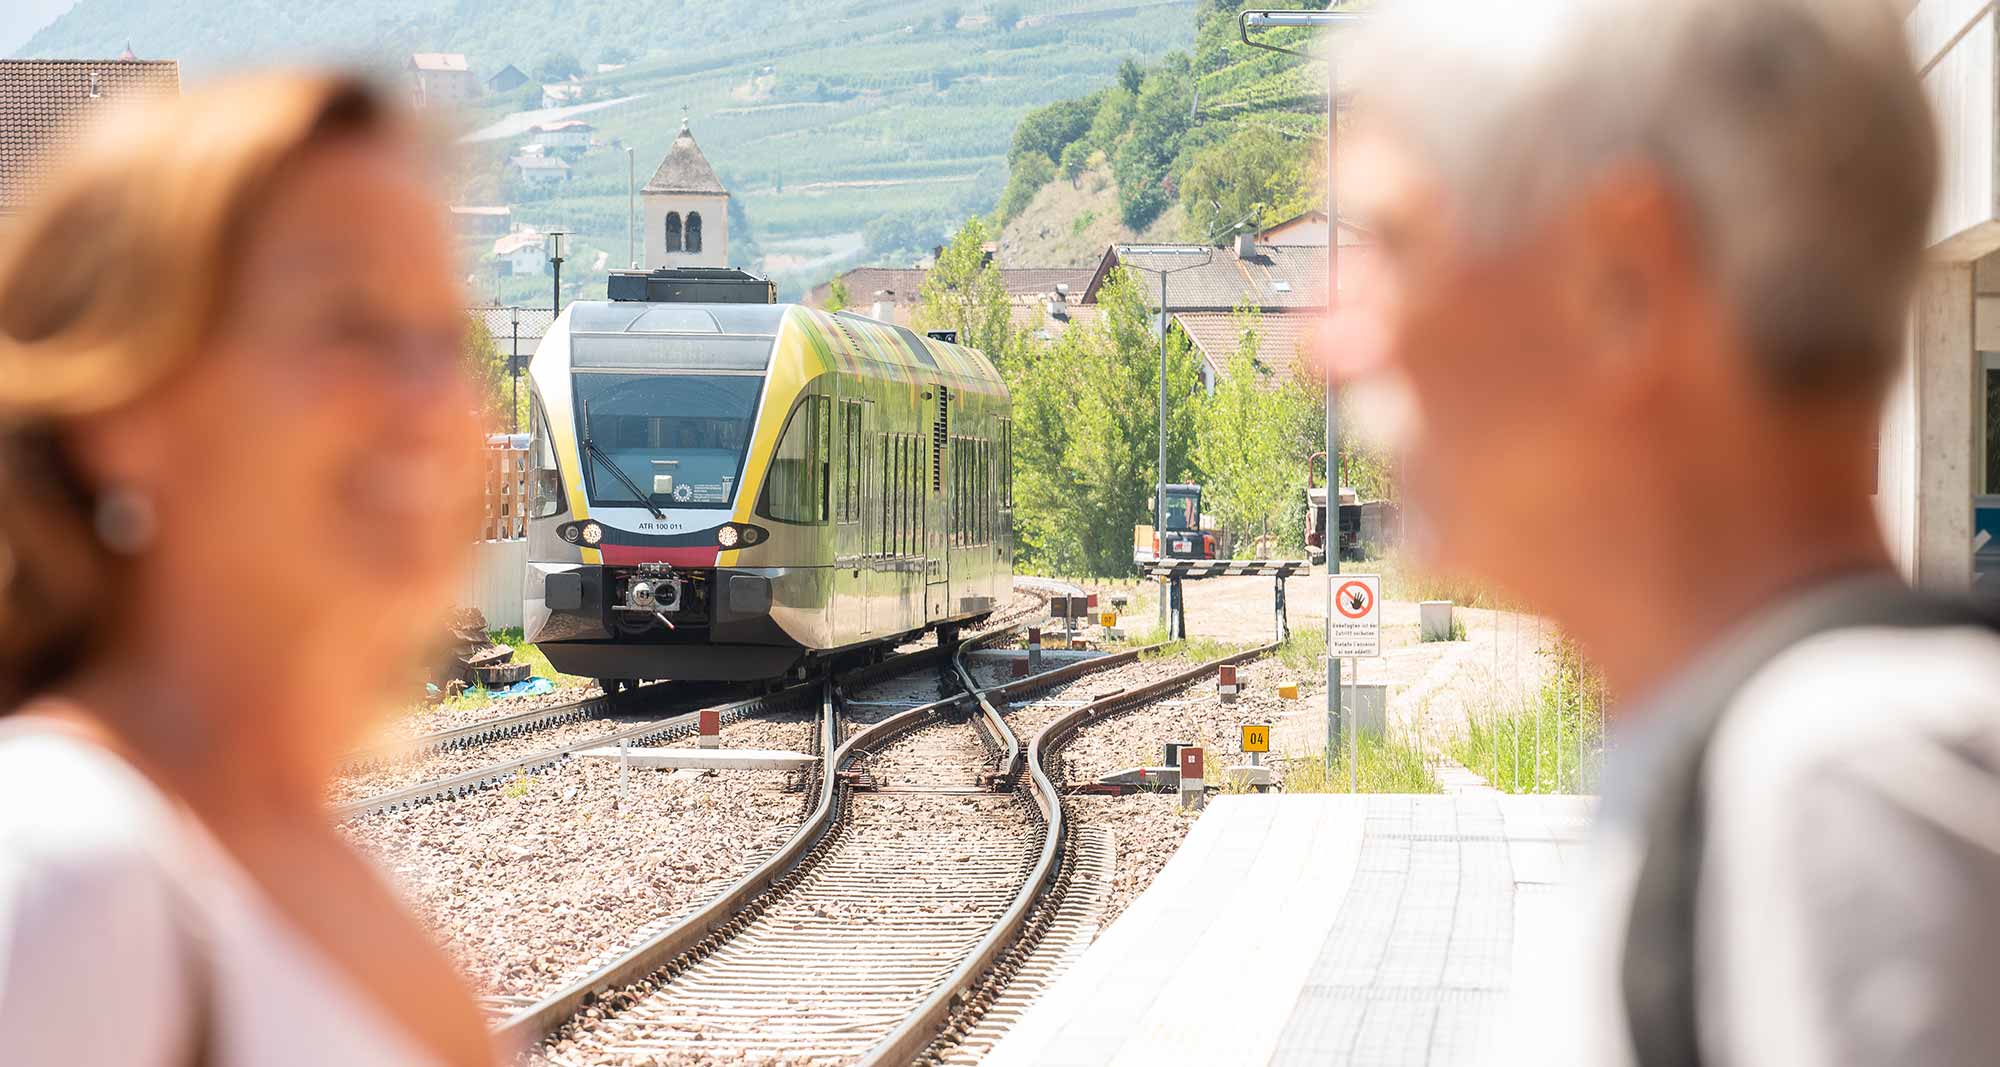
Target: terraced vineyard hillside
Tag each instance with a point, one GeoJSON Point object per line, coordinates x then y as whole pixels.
{"type": "Point", "coordinates": [858, 130]}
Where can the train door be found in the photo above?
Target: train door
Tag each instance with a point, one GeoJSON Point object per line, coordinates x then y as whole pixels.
{"type": "Point", "coordinates": [850, 601]}
{"type": "Point", "coordinates": [937, 509]}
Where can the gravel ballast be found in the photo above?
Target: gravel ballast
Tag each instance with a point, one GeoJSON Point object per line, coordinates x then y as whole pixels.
{"type": "Point", "coordinates": [526, 885]}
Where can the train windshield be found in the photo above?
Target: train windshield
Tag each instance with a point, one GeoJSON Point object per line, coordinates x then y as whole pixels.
{"type": "Point", "coordinates": [678, 438]}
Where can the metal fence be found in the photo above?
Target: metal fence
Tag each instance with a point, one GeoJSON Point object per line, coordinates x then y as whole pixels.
{"type": "Point", "coordinates": [515, 330]}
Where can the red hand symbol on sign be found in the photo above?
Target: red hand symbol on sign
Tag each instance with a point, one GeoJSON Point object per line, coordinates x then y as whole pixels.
{"type": "Point", "coordinates": [1354, 600]}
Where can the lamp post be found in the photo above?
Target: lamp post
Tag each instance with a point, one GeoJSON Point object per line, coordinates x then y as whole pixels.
{"type": "Point", "coordinates": [1207, 255]}
{"type": "Point", "coordinates": [556, 260]}
{"type": "Point", "coordinates": [631, 208]}
{"type": "Point", "coordinates": [1323, 20]}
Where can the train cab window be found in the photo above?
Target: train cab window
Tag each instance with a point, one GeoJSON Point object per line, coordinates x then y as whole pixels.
{"type": "Point", "coordinates": [678, 440]}
{"type": "Point", "coordinates": [544, 478]}
{"type": "Point", "coordinates": [795, 490]}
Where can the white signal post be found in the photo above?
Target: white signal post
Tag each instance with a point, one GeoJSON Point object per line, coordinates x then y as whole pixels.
{"type": "Point", "coordinates": [1353, 630]}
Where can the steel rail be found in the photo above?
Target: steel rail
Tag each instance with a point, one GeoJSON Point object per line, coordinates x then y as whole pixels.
{"type": "Point", "coordinates": [497, 774]}
{"type": "Point", "coordinates": [390, 752]}
{"type": "Point", "coordinates": [679, 725]}
{"type": "Point", "coordinates": [924, 1027]}
{"type": "Point", "coordinates": [520, 722]}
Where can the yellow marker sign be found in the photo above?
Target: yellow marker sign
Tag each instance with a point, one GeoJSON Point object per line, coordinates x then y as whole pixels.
{"type": "Point", "coordinates": [1289, 691]}
{"type": "Point", "coordinates": [1108, 619]}
{"type": "Point", "coordinates": [1256, 739]}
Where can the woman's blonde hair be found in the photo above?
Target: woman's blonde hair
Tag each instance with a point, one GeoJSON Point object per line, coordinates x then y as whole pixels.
{"type": "Point", "coordinates": [109, 284]}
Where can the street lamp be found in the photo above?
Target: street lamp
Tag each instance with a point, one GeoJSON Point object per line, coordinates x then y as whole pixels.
{"type": "Point", "coordinates": [631, 202]}
{"type": "Point", "coordinates": [556, 260]}
{"type": "Point", "coordinates": [1207, 255]}
{"type": "Point", "coordinates": [1323, 20]}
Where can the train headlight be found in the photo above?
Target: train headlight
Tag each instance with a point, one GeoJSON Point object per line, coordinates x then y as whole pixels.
{"type": "Point", "coordinates": [592, 533]}
{"type": "Point", "coordinates": [726, 537]}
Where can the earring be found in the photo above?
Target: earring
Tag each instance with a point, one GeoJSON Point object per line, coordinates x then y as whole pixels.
{"type": "Point", "coordinates": [125, 520]}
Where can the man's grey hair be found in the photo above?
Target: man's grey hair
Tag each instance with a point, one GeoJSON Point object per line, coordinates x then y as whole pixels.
{"type": "Point", "coordinates": [1795, 133]}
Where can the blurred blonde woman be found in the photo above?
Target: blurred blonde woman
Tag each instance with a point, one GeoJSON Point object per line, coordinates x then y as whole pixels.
{"type": "Point", "coordinates": [237, 464]}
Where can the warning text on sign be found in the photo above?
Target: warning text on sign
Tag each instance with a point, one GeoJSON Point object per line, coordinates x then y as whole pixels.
{"type": "Point", "coordinates": [1354, 625]}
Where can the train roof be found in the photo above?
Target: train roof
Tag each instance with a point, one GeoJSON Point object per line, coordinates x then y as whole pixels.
{"type": "Point", "coordinates": [739, 336]}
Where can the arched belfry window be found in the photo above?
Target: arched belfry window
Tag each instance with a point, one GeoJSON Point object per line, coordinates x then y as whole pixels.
{"type": "Point", "coordinates": [694, 231]}
{"type": "Point", "coordinates": [674, 231]}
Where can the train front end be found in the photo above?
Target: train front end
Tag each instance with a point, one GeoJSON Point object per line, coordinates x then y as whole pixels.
{"type": "Point", "coordinates": [645, 559]}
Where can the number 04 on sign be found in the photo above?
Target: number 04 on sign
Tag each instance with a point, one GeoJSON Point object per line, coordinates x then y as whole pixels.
{"type": "Point", "coordinates": [1354, 627]}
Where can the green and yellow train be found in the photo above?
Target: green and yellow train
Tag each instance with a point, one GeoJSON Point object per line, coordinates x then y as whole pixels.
{"type": "Point", "coordinates": [729, 489]}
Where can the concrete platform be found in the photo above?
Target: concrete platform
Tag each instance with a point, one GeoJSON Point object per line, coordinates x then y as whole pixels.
{"type": "Point", "coordinates": [1287, 930]}
{"type": "Point", "coordinates": [706, 759]}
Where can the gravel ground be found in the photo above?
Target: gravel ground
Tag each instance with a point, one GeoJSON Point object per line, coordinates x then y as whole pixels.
{"type": "Point", "coordinates": [1149, 827]}
{"type": "Point", "coordinates": [527, 885]}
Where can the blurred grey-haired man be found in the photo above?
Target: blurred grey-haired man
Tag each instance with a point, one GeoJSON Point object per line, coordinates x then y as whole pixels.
{"type": "Point", "coordinates": [1644, 271]}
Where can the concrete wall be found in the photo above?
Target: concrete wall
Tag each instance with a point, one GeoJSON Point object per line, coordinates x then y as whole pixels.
{"type": "Point", "coordinates": [494, 586]}
{"type": "Point", "coordinates": [1932, 428]}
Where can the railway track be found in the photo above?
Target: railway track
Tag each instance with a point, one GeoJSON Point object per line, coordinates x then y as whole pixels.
{"type": "Point", "coordinates": [679, 706]}
{"type": "Point", "coordinates": [931, 872]}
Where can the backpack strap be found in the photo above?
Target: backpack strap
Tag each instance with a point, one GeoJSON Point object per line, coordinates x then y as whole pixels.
{"type": "Point", "coordinates": [1658, 967]}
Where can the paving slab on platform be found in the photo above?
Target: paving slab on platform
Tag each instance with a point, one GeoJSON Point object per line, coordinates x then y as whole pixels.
{"type": "Point", "coordinates": [1320, 930]}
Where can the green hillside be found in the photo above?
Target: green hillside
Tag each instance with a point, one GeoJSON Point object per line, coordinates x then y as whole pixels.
{"type": "Point", "coordinates": [854, 131]}
{"type": "Point", "coordinates": [1208, 142]}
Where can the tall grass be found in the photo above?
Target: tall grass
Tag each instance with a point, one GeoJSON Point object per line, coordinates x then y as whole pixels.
{"type": "Point", "coordinates": [1403, 582]}
{"type": "Point", "coordinates": [1386, 765]}
{"type": "Point", "coordinates": [1551, 743]}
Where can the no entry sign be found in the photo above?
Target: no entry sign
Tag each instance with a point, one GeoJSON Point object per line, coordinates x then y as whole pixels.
{"type": "Point", "coordinates": [1354, 627]}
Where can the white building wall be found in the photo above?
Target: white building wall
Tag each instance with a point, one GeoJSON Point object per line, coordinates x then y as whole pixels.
{"type": "Point", "coordinates": [1933, 425]}
{"type": "Point", "coordinates": [714, 211]}
{"type": "Point", "coordinates": [494, 584]}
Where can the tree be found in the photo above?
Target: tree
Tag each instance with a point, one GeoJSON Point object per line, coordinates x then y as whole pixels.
{"type": "Point", "coordinates": [1046, 131]}
{"type": "Point", "coordinates": [1086, 433]}
{"type": "Point", "coordinates": [1131, 75]}
{"type": "Point", "coordinates": [558, 66]}
{"type": "Point", "coordinates": [1254, 175]}
{"type": "Point", "coordinates": [1030, 172]}
{"type": "Point", "coordinates": [487, 364]}
{"type": "Point", "coordinates": [1252, 439]}
{"type": "Point", "coordinates": [1144, 160]}
{"type": "Point", "coordinates": [1074, 159]}
{"type": "Point", "coordinates": [963, 292]}
{"type": "Point", "coordinates": [836, 294]}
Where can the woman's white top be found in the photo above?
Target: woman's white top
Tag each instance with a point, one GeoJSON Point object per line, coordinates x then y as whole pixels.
{"type": "Point", "coordinates": [129, 937]}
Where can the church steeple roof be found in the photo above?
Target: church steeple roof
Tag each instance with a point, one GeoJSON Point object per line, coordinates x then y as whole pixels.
{"type": "Point", "coordinates": [685, 170]}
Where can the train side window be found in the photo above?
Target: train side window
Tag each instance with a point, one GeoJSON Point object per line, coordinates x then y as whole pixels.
{"type": "Point", "coordinates": [795, 488]}
{"type": "Point", "coordinates": [823, 429]}
{"type": "Point", "coordinates": [545, 495]}
{"type": "Point", "coordinates": [1007, 463]}
{"type": "Point", "coordinates": [850, 482]}
{"type": "Point", "coordinates": [912, 497]}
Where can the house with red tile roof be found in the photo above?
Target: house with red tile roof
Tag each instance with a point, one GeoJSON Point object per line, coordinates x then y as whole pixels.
{"type": "Point", "coordinates": [46, 104]}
